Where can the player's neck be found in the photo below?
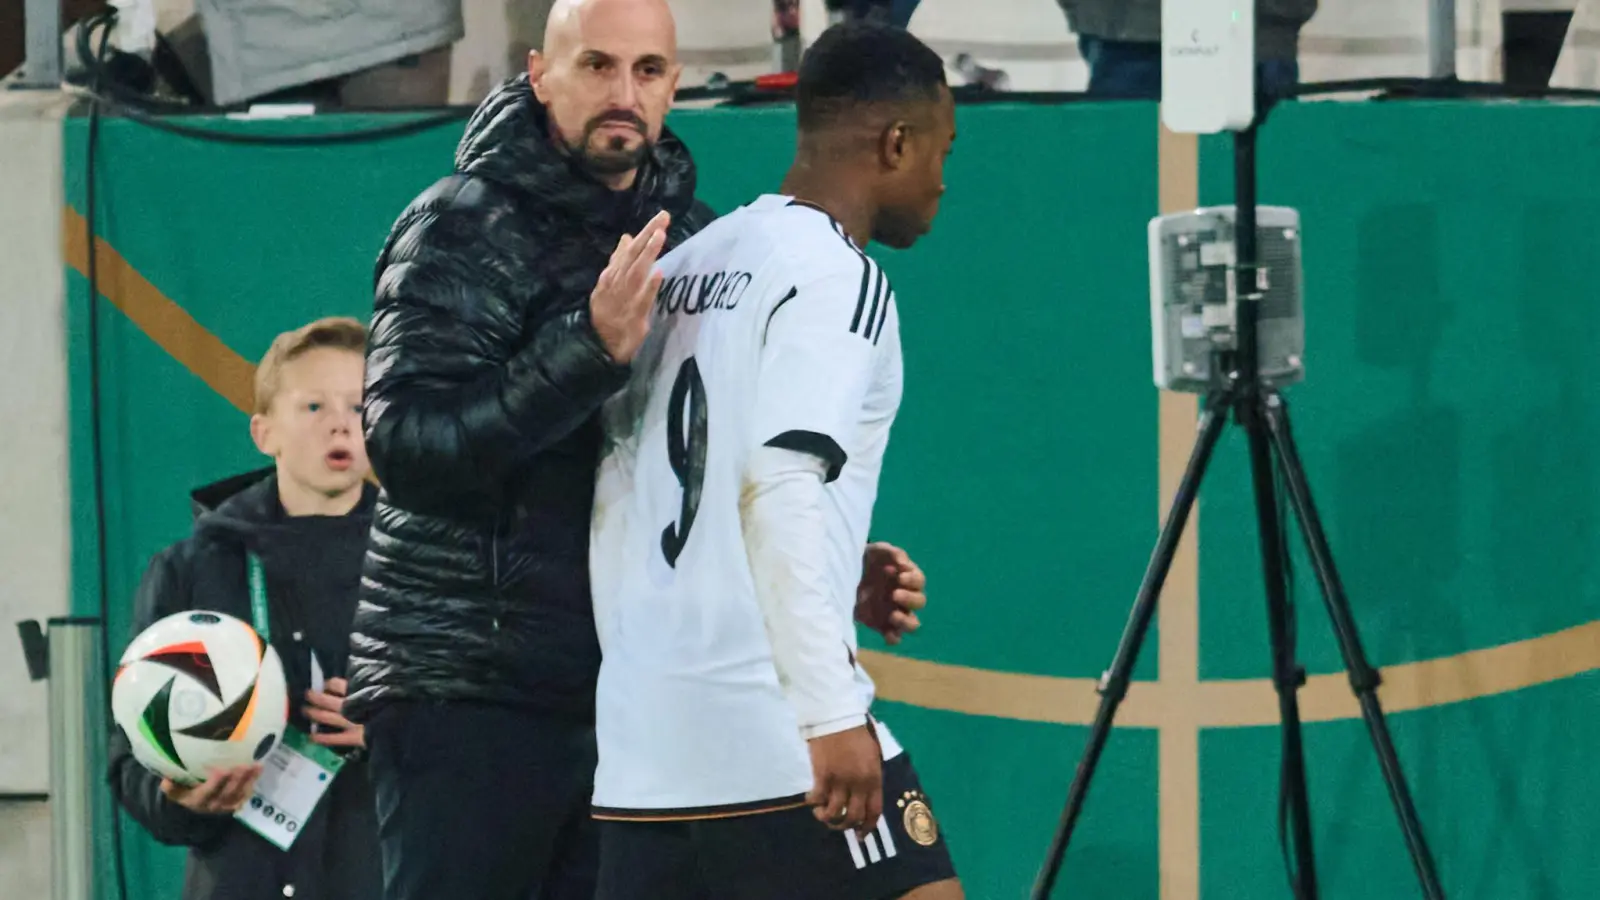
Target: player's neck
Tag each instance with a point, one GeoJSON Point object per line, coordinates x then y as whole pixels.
{"type": "Point", "coordinates": [833, 195]}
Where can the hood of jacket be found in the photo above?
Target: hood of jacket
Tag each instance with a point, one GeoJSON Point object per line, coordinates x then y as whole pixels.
{"type": "Point", "coordinates": [507, 141]}
{"type": "Point", "coordinates": [244, 509]}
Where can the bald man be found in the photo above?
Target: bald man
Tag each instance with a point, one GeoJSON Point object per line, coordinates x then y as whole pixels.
{"type": "Point", "coordinates": [510, 299]}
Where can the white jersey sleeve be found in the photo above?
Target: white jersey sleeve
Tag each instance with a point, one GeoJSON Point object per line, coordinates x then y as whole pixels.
{"type": "Point", "coordinates": [786, 540]}
{"type": "Point", "coordinates": [817, 363]}
{"type": "Point", "coordinates": [816, 367]}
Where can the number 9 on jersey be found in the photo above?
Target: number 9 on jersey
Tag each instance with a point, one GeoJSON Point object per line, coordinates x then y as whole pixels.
{"type": "Point", "coordinates": [686, 452]}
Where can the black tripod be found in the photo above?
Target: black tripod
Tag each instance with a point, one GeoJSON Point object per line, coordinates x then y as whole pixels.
{"type": "Point", "coordinates": [1261, 411]}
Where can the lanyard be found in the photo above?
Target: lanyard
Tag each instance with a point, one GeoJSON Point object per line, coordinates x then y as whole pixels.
{"type": "Point", "coordinates": [258, 598]}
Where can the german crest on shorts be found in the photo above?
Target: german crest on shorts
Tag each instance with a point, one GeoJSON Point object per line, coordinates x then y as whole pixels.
{"type": "Point", "coordinates": [918, 818]}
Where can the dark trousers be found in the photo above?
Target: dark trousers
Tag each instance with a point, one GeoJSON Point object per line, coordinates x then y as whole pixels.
{"type": "Point", "coordinates": [483, 803]}
{"type": "Point", "coordinates": [1132, 70]}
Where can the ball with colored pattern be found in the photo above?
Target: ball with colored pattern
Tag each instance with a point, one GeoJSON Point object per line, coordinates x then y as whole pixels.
{"type": "Point", "coordinates": [198, 692]}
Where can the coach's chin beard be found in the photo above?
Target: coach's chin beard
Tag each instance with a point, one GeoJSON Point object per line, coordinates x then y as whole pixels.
{"type": "Point", "coordinates": [613, 160]}
{"type": "Point", "coordinates": [609, 155]}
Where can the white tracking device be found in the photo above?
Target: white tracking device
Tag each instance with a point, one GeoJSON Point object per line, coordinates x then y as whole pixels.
{"type": "Point", "coordinates": [1208, 65]}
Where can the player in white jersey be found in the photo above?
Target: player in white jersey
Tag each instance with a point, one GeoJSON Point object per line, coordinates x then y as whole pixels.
{"type": "Point", "coordinates": [739, 759]}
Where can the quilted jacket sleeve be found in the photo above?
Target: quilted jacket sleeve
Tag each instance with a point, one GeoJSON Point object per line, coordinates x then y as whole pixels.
{"type": "Point", "coordinates": [163, 591]}
{"type": "Point", "coordinates": [457, 396]}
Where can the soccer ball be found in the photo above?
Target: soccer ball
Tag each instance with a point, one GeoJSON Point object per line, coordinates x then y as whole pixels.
{"type": "Point", "coordinates": [198, 691]}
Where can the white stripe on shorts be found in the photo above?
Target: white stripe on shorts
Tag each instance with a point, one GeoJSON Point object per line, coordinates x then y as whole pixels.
{"type": "Point", "coordinates": [872, 854]}
{"type": "Point", "coordinates": [855, 849]}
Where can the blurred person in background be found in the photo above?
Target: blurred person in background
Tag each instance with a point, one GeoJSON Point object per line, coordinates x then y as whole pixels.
{"type": "Point", "coordinates": [1121, 42]}
{"type": "Point", "coordinates": [394, 54]}
{"type": "Point", "coordinates": [891, 12]}
{"type": "Point", "coordinates": [510, 298]}
{"type": "Point", "coordinates": [305, 520]}
{"type": "Point", "coordinates": [13, 32]}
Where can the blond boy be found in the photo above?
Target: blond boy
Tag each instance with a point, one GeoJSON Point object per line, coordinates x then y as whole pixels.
{"type": "Point", "coordinates": [301, 523]}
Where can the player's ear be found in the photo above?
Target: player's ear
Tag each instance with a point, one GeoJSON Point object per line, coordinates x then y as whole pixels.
{"type": "Point", "coordinates": [893, 144]}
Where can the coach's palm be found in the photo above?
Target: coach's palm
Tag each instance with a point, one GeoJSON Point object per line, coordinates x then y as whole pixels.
{"type": "Point", "coordinates": [622, 297]}
{"type": "Point", "coordinates": [847, 790]}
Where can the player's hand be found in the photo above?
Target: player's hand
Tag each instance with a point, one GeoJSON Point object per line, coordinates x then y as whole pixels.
{"type": "Point", "coordinates": [625, 292]}
{"type": "Point", "coordinates": [890, 592]}
{"type": "Point", "coordinates": [847, 791]}
{"type": "Point", "coordinates": [221, 794]}
{"type": "Point", "coordinates": [327, 708]}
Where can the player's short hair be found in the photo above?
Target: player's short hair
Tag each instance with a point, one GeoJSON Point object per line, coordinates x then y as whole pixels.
{"type": "Point", "coordinates": [335, 332]}
{"type": "Point", "coordinates": [860, 63]}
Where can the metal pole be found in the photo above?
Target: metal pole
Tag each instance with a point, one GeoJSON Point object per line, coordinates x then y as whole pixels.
{"type": "Point", "coordinates": [1441, 38]}
{"type": "Point", "coordinates": [41, 64]}
{"type": "Point", "coordinates": [75, 701]}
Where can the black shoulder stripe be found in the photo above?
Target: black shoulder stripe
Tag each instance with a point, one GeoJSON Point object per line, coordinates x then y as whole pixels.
{"type": "Point", "coordinates": [883, 317]}
{"type": "Point", "coordinates": [777, 306]}
{"type": "Point", "coordinates": [880, 286]}
{"type": "Point", "coordinates": [839, 230]}
{"type": "Point", "coordinates": [861, 299]}
{"type": "Point", "coordinates": [881, 290]}
{"type": "Point", "coordinates": [877, 297]}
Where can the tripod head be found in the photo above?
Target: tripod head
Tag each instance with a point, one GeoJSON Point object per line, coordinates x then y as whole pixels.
{"type": "Point", "coordinates": [1199, 295]}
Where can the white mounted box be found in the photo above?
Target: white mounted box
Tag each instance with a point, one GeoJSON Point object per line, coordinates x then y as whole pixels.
{"type": "Point", "coordinates": [1208, 65]}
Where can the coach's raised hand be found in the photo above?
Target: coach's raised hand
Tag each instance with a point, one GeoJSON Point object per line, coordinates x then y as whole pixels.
{"type": "Point", "coordinates": [626, 290]}
{"type": "Point", "coordinates": [847, 786]}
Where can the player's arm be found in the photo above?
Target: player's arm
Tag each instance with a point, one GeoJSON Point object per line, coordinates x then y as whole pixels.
{"type": "Point", "coordinates": [146, 796]}
{"type": "Point", "coordinates": [785, 535]}
{"type": "Point", "coordinates": [816, 366]}
{"type": "Point", "coordinates": [785, 538]}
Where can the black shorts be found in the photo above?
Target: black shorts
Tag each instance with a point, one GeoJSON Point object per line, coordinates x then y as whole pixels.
{"type": "Point", "coordinates": [783, 855]}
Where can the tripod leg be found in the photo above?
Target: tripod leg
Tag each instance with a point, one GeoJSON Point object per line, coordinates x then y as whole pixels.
{"type": "Point", "coordinates": [1114, 683]}
{"type": "Point", "coordinates": [1364, 679]}
{"type": "Point", "coordinates": [1287, 676]}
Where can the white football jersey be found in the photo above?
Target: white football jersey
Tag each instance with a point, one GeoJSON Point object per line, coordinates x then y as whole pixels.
{"type": "Point", "coordinates": [771, 327]}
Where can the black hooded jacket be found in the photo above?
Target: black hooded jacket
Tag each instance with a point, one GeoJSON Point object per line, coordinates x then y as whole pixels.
{"type": "Point", "coordinates": [312, 566]}
{"type": "Point", "coordinates": [484, 380]}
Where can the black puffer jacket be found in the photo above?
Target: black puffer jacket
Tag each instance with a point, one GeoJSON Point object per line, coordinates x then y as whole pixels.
{"type": "Point", "coordinates": [484, 377]}
{"type": "Point", "coordinates": [313, 566]}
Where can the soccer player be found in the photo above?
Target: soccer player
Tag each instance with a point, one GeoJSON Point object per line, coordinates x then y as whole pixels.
{"type": "Point", "coordinates": [739, 758]}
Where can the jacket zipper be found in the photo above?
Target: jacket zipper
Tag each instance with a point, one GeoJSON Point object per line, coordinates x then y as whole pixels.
{"type": "Point", "coordinates": [494, 569]}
